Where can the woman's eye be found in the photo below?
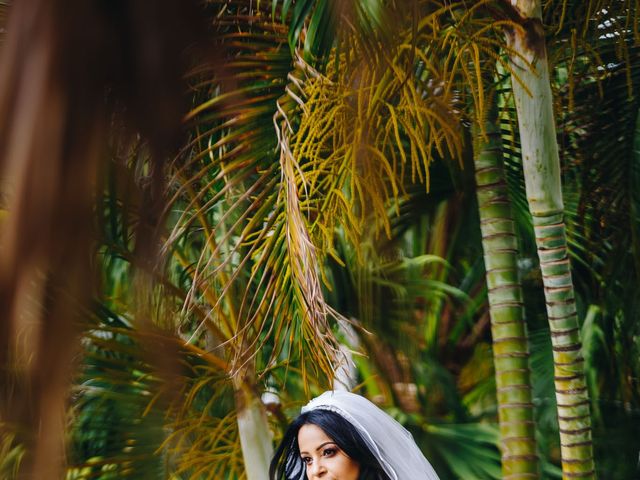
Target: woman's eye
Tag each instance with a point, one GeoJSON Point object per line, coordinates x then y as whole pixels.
{"type": "Point", "coordinates": [306, 460]}
{"type": "Point", "coordinates": [329, 452]}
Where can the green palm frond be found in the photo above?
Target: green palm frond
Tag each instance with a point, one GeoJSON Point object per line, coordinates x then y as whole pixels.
{"type": "Point", "coordinates": [115, 432]}
{"type": "Point", "coordinates": [203, 442]}
{"type": "Point", "coordinates": [310, 148]}
{"type": "Point", "coordinates": [267, 212]}
{"type": "Point", "coordinates": [470, 450]}
{"type": "Point", "coordinates": [127, 423]}
{"type": "Point", "coordinates": [601, 165]}
{"type": "Point", "coordinates": [12, 452]}
{"type": "Point", "coordinates": [312, 23]}
{"type": "Point", "coordinates": [240, 235]}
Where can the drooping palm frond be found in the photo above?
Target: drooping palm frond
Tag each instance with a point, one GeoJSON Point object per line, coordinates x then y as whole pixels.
{"type": "Point", "coordinates": [369, 117]}
{"type": "Point", "coordinates": [254, 268]}
{"type": "Point", "coordinates": [473, 442]}
{"type": "Point", "coordinates": [333, 172]}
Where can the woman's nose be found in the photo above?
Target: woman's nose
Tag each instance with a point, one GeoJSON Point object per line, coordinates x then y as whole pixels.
{"type": "Point", "coordinates": [317, 469]}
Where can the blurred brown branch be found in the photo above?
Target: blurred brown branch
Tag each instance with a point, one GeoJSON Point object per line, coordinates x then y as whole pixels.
{"type": "Point", "coordinates": [69, 71]}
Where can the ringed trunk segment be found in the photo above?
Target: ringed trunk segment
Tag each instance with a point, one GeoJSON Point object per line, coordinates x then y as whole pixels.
{"type": "Point", "coordinates": [510, 346]}
{"type": "Point", "coordinates": [572, 396]}
{"type": "Point", "coordinates": [534, 105]}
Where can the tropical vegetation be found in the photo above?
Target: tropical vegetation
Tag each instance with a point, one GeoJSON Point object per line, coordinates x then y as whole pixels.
{"type": "Point", "coordinates": [432, 203]}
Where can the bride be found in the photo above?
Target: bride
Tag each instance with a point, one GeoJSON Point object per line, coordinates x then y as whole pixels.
{"type": "Point", "coordinates": [343, 436]}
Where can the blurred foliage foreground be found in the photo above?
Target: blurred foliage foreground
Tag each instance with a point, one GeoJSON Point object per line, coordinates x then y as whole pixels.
{"type": "Point", "coordinates": [322, 216]}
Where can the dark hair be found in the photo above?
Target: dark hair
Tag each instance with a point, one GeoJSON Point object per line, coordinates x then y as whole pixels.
{"type": "Point", "coordinates": [287, 463]}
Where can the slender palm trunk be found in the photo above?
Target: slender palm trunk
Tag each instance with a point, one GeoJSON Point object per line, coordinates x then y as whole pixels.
{"type": "Point", "coordinates": [255, 437]}
{"type": "Point", "coordinates": [510, 346]}
{"type": "Point", "coordinates": [541, 163]}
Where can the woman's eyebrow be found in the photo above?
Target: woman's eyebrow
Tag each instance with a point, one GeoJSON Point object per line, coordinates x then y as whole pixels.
{"type": "Point", "coordinates": [319, 447]}
{"type": "Point", "coordinates": [324, 444]}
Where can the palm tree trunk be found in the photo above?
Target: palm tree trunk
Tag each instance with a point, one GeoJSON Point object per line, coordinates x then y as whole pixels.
{"type": "Point", "coordinates": [255, 437]}
{"type": "Point", "coordinates": [510, 346]}
{"type": "Point", "coordinates": [534, 104]}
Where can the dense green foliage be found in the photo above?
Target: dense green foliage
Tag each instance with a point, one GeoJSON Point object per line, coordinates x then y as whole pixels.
{"type": "Point", "coordinates": [415, 282]}
{"type": "Point", "coordinates": [325, 202]}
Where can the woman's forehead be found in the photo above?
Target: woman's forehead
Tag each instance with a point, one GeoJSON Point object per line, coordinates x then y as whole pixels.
{"type": "Point", "coordinates": [312, 437]}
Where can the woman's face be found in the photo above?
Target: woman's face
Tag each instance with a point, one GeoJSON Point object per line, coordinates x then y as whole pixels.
{"type": "Point", "coordinates": [323, 458]}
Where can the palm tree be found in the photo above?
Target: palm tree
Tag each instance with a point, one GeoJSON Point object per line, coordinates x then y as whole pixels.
{"type": "Point", "coordinates": [510, 340]}
{"type": "Point", "coordinates": [603, 261]}
{"type": "Point", "coordinates": [539, 148]}
{"type": "Point", "coordinates": [288, 147]}
{"type": "Point", "coordinates": [323, 96]}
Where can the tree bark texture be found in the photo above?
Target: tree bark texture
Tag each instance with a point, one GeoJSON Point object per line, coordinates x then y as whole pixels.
{"type": "Point", "coordinates": [510, 345]}
{"type": "Point", "coordinates": [534, 104]}
{"type": "Point", "coordinates": [255, 436]}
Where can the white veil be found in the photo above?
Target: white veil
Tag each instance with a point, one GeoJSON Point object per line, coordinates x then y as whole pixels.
{"type": "Point", "coordinates": [389, 441]}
